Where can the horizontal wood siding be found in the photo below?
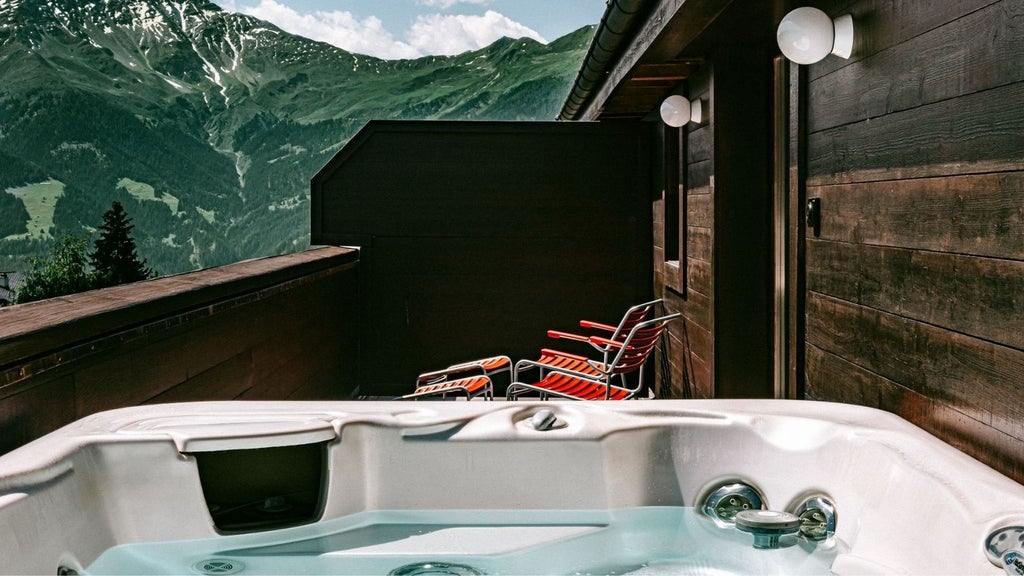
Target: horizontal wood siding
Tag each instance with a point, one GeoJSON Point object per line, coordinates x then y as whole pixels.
{"type": "Point", "coordinates": [691, 347]}
{"type": "Point", "coordinates": [915, 147]}
{"type": "Point", "coordinates": [275, 328]}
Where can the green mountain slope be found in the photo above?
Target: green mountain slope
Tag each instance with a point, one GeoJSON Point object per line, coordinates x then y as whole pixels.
{"type": "Point", "coordinates": [207, 125]}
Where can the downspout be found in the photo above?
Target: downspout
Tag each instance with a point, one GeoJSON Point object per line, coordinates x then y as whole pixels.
{"type": "Point", "coordinates": [617, 26]}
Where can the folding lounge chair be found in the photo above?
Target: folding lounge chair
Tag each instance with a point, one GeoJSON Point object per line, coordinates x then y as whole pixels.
{"type": "Point", "coordinates": [630, 356]}
{"type": "Point", "coordinates": [567, 361]}
{"type": "Point", "coordinates": [470, 379]}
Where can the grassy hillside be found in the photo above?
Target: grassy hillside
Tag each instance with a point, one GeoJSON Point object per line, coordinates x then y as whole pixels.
{"type": "Point", "coordinates": [207, 126]}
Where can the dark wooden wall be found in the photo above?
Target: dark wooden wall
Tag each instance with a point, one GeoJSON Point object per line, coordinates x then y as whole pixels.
{"type": "Point", "coordinates": [689, 289]}
{"type": "Point", "coordinates": [477, 237]}
{"type": "Point", "coordinates": [915, 287]}
{"type": "Point", "coordinates": [724, 349]}
{"type": "Point", "coordinates": [270, 329]}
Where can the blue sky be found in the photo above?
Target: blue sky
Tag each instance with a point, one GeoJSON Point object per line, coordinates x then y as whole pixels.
{"type": "Point", "coordinates": [412, 28]}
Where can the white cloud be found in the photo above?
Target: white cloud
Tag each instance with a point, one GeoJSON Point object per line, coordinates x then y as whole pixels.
{"type": "Point", "coordinates": [446, 34]}
{"type": "Point", "coordinates": [339, 28]}
{"type": "Point", "coordinates": [454, 34]}
{"type": "Point", "coordinates": [446, 4]}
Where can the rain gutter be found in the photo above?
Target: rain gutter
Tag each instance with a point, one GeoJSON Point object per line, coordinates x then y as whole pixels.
{"type": "Point", "coordinates": [618, 25]}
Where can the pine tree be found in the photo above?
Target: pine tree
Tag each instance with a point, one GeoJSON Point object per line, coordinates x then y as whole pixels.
{"type": "Point", "coordinates": [115, 260]}
{"type": "Point", "coordinates": [60, 272]}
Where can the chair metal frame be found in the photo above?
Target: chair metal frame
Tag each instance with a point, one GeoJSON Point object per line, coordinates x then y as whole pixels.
{"type": "Point", "coordinates": [577, 363]}
{"type": "Point", "coordinates": [473, 379]}
{"type": "Point", "coordinates": [630, 357]}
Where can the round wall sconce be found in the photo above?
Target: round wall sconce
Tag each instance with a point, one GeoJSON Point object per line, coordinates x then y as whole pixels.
{"type": "Point", "coordinates": [807, 35]}
{"type": "Point", "coordinates": [677, 111]}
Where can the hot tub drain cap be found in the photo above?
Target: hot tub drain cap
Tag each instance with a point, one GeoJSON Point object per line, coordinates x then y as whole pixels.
{"type": "Point", "coordinates": [217, 566]}
{"type": "Point", "coordinates": [436, 569]}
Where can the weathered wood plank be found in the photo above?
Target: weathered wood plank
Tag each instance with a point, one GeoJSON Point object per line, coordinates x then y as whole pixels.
{"type": "Point", "coordinates": [699, 276]}
{"type": "Point", "coordinates": [833, 379]}
{"type": "Point", "coordinates": [977, 52]}
{"type": "Point", "coordinates": [688, 345]}
{"type": "Point", "coordinates": [686, 365]}
{"type": "Point", "coordinates": [675, 380]}
{"type": "Point", "coordinates": [287, 343]}
{"type": "Point", "coordinates": [978, 378]}
{"type": "Point", "coordinates": [696, 340]}
{"type": "Point", "coordinates": [37, 411]}
{"type": "Point", "coordinates": [108, 384]}
{"type": "Point", "coordinates": [225, 381]}
{"type": "Point", "coordinates": [699, 211]}
{"type": "Point", "coordinates": [980, 214]}
{"type": "Point", "coordinates": [701, 380]}
{"type": "Point", "coordinates": [941, 139]}
{"type": "Point", "coordinates": [883, 24]}
{"type": "Point", "coordinates": [691, 342]}
{"type": "Point", "coordinates": [660, 267]}
{"type": "Point", "coordinates": [322, 383]}
{"type": "Point", "coordinates": [658, 217]}
{"type": "Point", "coordinates": [698, 243]}
{"type": "Point", "coordinates": [698, 309]}
{"type": "Point", "coordinates": [698, 178]}
{"type": "Point", "coordinates": [305, 378]}
{"type": "Point", "coordinates": [981, 297]}
{"type": "Point", "coordinates": [989, 444]}
{"type": "Point", "coordinates": [699, 143]}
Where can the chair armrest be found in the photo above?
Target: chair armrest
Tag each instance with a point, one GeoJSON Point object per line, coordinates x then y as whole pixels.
{"type": "Point", "coordinates": [440, 375]}
{"type": "Point", "coordinates": [579, 338]}
{"type": "Point", "coordinates": [601, 341]}
{"type": "Point", "coordinates": [591, 325]}
{"type": "Point", "coordinates": [566, 336]}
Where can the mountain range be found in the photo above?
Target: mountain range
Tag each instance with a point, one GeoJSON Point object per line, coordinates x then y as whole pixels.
{"type": "Point", "coordinates": [207, 125]}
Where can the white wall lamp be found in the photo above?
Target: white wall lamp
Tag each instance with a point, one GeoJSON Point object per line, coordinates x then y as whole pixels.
{"type": "Point", "coordinates": [677, 111]}
{"type": "Point", "coordinates": [807, 35]}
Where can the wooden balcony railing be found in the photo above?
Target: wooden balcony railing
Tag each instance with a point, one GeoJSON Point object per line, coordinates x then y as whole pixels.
{"type": "Point", "coordinates": [283, 327]}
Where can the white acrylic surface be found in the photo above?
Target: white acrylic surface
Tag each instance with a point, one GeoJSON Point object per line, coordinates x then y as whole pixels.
{"type": "Point", "coordinates": [906, 502]}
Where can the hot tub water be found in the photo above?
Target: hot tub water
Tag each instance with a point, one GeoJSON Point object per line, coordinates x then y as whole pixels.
{"type": "Point", "coordinates": [643, 540]}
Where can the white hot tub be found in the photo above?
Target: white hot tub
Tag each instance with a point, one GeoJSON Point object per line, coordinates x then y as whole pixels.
{"type": "Point", "coordinates": [665, 487]}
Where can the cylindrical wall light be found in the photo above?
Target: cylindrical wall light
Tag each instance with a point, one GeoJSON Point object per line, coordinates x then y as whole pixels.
{"type": "Point", "coordinates": [807, 35]}
{"type": "Point", "coordinates": [676, 111]}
